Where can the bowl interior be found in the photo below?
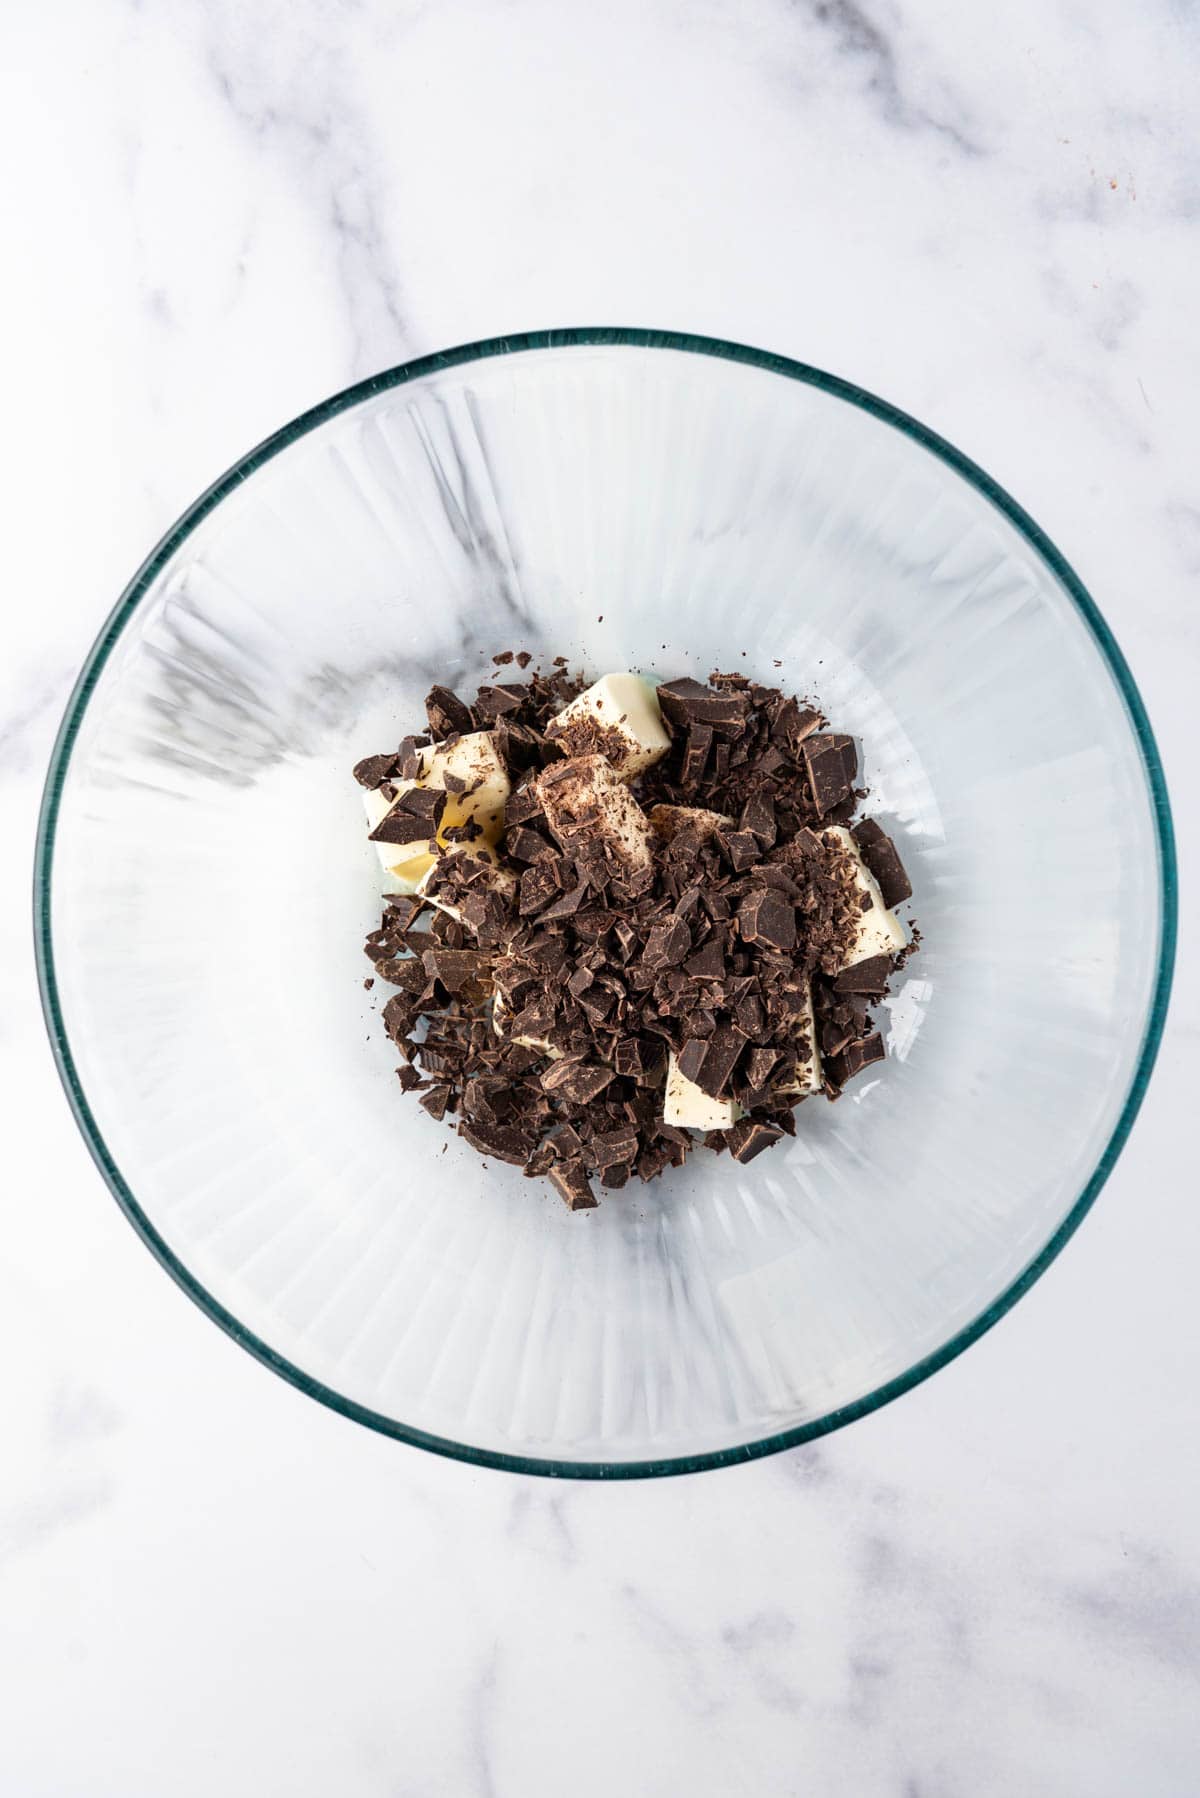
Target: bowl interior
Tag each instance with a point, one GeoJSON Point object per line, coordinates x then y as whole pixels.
{"type": "Point", "coordinates": [625, 506]}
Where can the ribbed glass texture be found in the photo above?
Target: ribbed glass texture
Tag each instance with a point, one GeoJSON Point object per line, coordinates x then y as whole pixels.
{"type": "Point", "coordinates": [626, 501]}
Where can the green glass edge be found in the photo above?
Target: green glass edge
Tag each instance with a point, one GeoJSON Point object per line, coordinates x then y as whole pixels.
{"type": "Point", "coordinates": [644, 339]}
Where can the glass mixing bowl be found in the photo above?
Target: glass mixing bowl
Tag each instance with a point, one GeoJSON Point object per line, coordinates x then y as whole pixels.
{"type": "Point", "coordinates": [627, 499]}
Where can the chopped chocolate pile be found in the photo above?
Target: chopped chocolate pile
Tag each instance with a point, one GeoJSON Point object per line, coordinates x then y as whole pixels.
{"type": "Point", "coordinates": [647, 917]}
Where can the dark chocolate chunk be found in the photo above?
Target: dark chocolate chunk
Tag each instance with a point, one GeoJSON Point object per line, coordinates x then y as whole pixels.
{"type": "Point", "coordinates": [456, 968]}
{"type": "Point", "coordinates": [565, 906]}
{"type": "Point", "coordinates": [879, 852]}
{"type": "Point", "coordinates": [447, 714]}
{"type": "Point", "coordinates": [825, 759]}
{"type": "Point", "coordinates": [685, 703]}
{"type": "Point", "coordinates": [494, 702]}
{"type": "Point", "coordinates": [759, 1065]}
{"type": "Point", "coordinates": [849, 753]}
{"type": "Point", "coordinates": [408, 757]}
{"type": "Point", "coordinates": [695, 754]}
{"type": "Point", "coordinates": [709, 1064]}
{"type": "Point", "coordinates": [576, 1081]}
{"type": "Point", "coordinates": [741, 846]}
{"type": "Point", "coordinates": [425, 803]}
{"type": "Point", "coordinates": [871, 975]}
{"type": "Point", "coordinates": [766, 917]}
{"type": "Point", "coordinates": [570, 1178]}
{"type": "Point", "coordinates": [436, 1100]}
{"type": "Point", "coordinates": [374, 769]}
{"type": "Point", "coordinates": [523, 806]}
{"type": "Point", "coordinates": [793, 723]}
{"type": "Point", "coordinates": [750, 1136]}
{"type": "Point", "coordinates": [525, 845]}
{"type": "Point", "coordinates": [498, 1140]}
{"type": "Point", "coordinates": [758, 817]}
{"type": "Point", "coordinates": [610, 1148]}
{"type": "Point", "coordinates": [708, 963]}
{"type": "Point", "coordinates": [542, 1159]}
{"type": "Point", "coordinates": [854, 1058]}
{"type": "Point", "coordinates": [402, 908]}
{"type": "Point", "coordinates": [413, 819]}
{"type": "Point", "coordinates": [667, 944]}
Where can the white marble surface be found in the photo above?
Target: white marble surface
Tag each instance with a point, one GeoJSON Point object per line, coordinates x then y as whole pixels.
{"type": "Point", "coordinates": [217, 213]}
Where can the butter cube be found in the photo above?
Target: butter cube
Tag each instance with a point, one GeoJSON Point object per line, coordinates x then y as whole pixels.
{"type": "Point", "coordinates": [879, 931]}
{"type": "Point", "coordinates": [617, 718]}
{"type": "Point", "coordinates": [474, 760]}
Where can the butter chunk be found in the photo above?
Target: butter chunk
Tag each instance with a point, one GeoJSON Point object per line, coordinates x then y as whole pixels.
{"type": "Point", "coordinates": [879, 931]}
{"type": "Point", "coordinates": [475, 761]}
{"type": "Point", "coordinates": [617, 718]}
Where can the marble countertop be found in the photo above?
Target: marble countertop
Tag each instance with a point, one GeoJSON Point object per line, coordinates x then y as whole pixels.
{"type": "Point", "coordinates": [223, 212]}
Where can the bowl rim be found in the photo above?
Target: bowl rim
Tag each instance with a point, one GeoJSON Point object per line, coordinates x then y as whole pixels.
{"type": "Point", "coordinates": [617, 337]}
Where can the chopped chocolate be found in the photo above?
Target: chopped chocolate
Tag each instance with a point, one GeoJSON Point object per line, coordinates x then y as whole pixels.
{"type": "Point", "coordinates": [708, 963]}
{"type": "Point", "coordinates": [447, 714]}
{"type": "Point", "coordinates": [764, 916]}
{"type": "Point", "coordinates": [457, 968]}
{"type": "Point", "coordinates": [710, 1064]}
{"type": "Point", "coordinates": [413, 819]}
{"type": "Point", "coordinates": [402, 908]}
{"type": "Point", "coordinates": [854, 1058]}
{"type": "Point", "coordinates": [525, 845]}
{"type": "Point", "coordinates": [494, 702]}
{"type": "Point", "coordinates": [826, 761]}
{"type": "Point", "coordinates": [609, 1148]}
{"type": "Point", "coordinates": [879, 852]}
{"type": "Point", "coordinates": [499, 1140]}
{"type": "Point", "coordinates": [578, 1081]}
{"type": "Point", "coordinates": [523, 806]}
{"type": "Point", "coordinates": [408, 758]}
{"type": "Point", "coordinates": [759, 1065]}
{"type": "Point", "coordinates": [758, 817]}
{"type": "Point", "coordinates": [373, 770]}
{"type": "Point", "coordinates": [696, 909]}
{"type": "Point", "coordinates": [667, 944]}
{"type": "Point", "coordinates": [741, 846]}
{"type": "Point", "coordinates": [685, 703]}
{"type": "Point", "coordinates": [871, 975]}
{"type": "Point", "coordinates": [436, 1100]}
{"type": "Point", "coordinates": [695, 754]}
{"type": "Point", "coordinates": [750, 1136]}
{"type": "Point", "coordinates": [570, 1178]}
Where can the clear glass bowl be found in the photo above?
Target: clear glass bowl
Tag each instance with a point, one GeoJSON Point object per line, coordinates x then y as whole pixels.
{"type": "Point", "coordinates": [627, 499]}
